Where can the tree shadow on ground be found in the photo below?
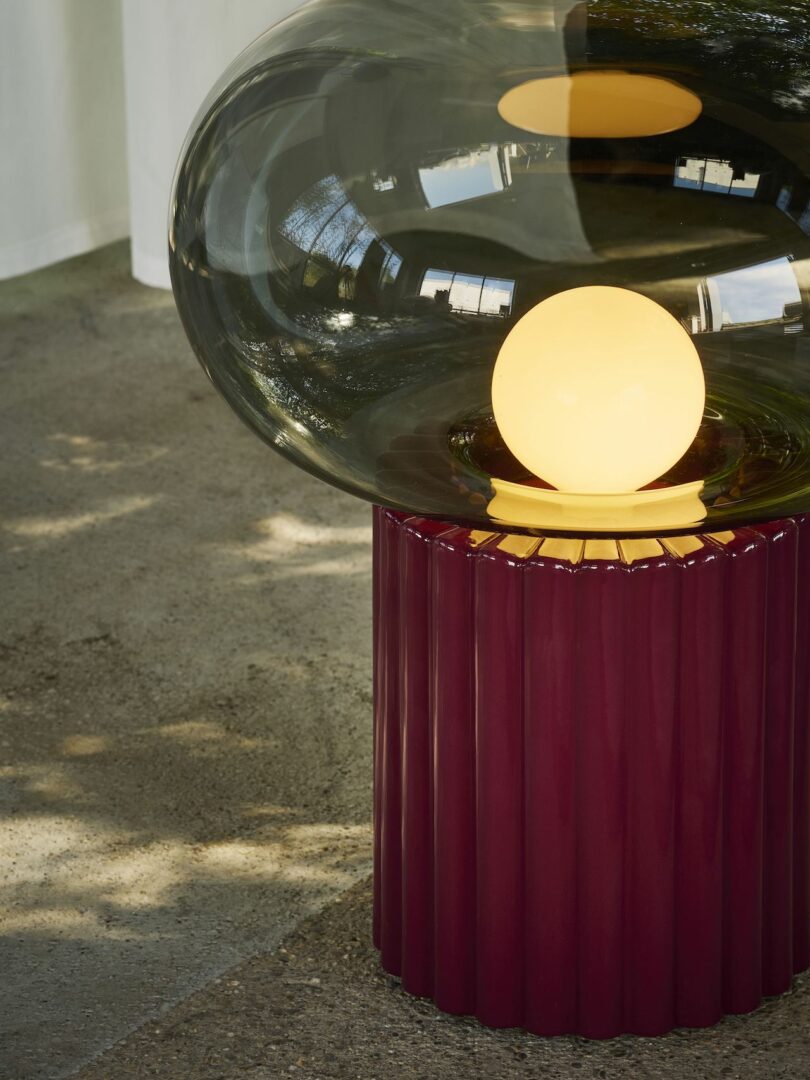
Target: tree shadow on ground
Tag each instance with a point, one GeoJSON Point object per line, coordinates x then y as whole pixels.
{"type": "Point", "coordinates": [185, 674]}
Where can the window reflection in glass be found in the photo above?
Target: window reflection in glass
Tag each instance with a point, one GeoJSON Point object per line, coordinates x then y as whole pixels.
{"type": "Point", "coordinates": [465, 293]}
{"type": "Point", "coordinates": [326, 226]}
{"type": "Point", "coordinates": [469, 294]}
{"type": "Point", "coordinates": [497, 296]}
{"type": "Point", "coordinates": [721, 177]}
{"type": "Point", "coordinates": [384, 183]}
{"type": "Point", "coordinates": [752, 296]}
{"type": "Point", "coordinates": [310, 215]}
{"type": "Point", "coordinates": [466, 176]}
{"type": "Point", "coordinates": [392, 264]}
{"type": "Point", "coordinates": [436, 286]}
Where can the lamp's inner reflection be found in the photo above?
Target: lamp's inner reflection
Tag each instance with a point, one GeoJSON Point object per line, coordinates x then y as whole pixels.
{"type": "Point", "coordinates": [600, 105]}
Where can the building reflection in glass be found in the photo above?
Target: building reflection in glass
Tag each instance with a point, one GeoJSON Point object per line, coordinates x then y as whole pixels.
{"type": "Point", "coordinates": [721, 177]}
{"type": "Point", "coordinates": [327, 227]}
{"type": "Point", "coordinates": [751, 296]}
{"type": "Point", "coordinates": [464, 176]}
{"type": "Point", "coordinates": [468, 293]}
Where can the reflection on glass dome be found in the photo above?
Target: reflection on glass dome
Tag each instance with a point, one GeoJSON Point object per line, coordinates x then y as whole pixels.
{"type": "Point", "coordinates": [361, 220]}
{"type": "Point", "coordinates": [466, 176]}
{"type": "Point", "coordinates": [600, 105]}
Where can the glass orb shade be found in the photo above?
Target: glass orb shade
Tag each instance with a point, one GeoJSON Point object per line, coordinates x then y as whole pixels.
{"type": "Point", "coordinates": [376, 199]}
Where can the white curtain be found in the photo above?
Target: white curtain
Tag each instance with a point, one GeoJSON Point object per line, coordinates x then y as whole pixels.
{"type": "Point", "coordinates": [96, 97]}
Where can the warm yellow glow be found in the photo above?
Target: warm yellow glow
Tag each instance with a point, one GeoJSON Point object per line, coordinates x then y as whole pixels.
{"type": "Point", "coordinates": [636, 512]}
{"type": "Point", "coordinates": [600, 105]}
{"type": "Point", "coordinates": [633, 551]}
{"type": "Point", "coordinates": [598, 390]}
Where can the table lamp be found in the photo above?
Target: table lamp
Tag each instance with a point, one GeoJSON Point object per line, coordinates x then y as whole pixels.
{"type": "Point", "coordinates": [532, 277]}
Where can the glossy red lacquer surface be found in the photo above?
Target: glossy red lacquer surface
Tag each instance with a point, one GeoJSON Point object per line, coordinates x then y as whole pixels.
{"type": "Point", "coordinates": [591, 778]}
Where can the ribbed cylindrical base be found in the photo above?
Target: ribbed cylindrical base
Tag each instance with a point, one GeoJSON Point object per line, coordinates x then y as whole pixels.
{"type": "Point", "coordinates": [592, 773]}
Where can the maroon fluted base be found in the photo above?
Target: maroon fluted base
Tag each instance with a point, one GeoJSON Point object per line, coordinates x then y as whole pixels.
{"type": "Point", "coordinates": [592, 774]}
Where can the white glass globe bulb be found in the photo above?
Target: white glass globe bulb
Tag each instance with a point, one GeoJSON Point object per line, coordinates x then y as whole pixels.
{"type": "Point", "coordinates": [598, 390]}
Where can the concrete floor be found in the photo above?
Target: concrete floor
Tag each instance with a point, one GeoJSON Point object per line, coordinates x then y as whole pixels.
{"type": "Point", "coordinates": [321, 1008]}
{"type": "Point", "coordinates": [184, 673]}
{"type": "Point", "coordinates": [185, 751]}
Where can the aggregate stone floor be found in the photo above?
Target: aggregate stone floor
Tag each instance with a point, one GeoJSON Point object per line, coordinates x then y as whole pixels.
{"type": "Point", "coordinates": [320, 1007]}
{"type": "Point", "coordinates": [185, 751]}
{"type": "Point", "coordinates": [185, 745]}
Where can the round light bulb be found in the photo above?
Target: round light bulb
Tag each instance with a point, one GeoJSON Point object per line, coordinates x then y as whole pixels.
{"type": "Point", "coordinates": [598, 390]}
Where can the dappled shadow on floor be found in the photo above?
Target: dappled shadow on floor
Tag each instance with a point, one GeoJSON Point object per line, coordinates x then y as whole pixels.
{"type": "Point", "coordinates": [185, 737]}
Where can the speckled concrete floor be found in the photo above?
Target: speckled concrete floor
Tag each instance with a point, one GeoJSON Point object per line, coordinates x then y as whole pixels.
{"type": "Point", "coordinates": [185, 752]}
{"type": "Point", "coordinates": [320, 1007]}
{"type": "Point", "coordinates": [184, 672]}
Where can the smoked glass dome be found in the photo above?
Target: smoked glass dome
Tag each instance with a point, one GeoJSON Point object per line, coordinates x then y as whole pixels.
{"type": "Point", "coordinates": [608, 201]}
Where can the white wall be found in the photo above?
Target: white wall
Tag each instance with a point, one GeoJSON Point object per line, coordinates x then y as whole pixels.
{"type": "Point", "coordinates": [96, 97]}
{"type": "Point", "coordinates": [63, 178]}
{"type": "Point", "coordinates": [173, 53]}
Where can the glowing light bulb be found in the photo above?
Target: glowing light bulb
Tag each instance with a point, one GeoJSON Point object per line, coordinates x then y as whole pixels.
{"type": "Point", "coordinates": [598, 390]}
